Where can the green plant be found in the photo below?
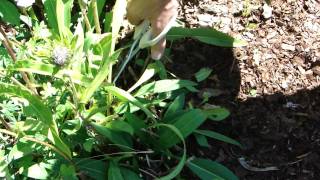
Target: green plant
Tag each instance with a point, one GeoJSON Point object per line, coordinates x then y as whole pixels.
{"type": "Point", "coordinates": [64, 118]}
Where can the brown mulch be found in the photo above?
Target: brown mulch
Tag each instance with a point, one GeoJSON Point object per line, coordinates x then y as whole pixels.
{"type": "Point", "coordinates": [272, 86]}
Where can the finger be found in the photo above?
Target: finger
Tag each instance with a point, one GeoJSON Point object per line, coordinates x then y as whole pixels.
{"type": "Point", "coordinates": [157, 50]}
{"type": "Point", "coordinates": [138, 10]}
{"type": "Point", "coordinates": [159, 20]}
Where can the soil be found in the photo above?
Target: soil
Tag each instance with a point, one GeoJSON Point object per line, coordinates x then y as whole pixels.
{"type": "Point", "coordinates": [271, 86]}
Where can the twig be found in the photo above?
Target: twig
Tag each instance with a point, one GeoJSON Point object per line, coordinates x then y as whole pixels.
{"type": "Point", "coordinates": [6, 125]}
{"type": "Point", "coordinates": [148, 173]}
{"type": "Point", "coordinates": [85, 17]}
{"type": "Point", "coordinates": [7, 45]}
{"type": "Point", "coordinates": [36, 141]}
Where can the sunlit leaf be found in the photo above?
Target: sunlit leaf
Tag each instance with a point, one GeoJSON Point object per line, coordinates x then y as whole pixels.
{"type": "Point", "coordinates": [51, 70]}
{"type": "Point", "coordinates": [100, 77]}
{"type": "Point", "coordinates": [166, 85]}
{"type": "Point", "coordinates": [217, 114]}
{"type": "Point", "coordinates": [125, 96]}
{"type": "Point", "coordinates": [41, 111]}
{"type": "Point", "coordinates": [150, 71]}
{"type": "Point", "coordinates": [206, 35]}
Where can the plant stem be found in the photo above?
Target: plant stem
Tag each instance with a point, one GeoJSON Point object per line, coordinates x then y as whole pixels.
{"type": "Point", "coordinates": [7, 45]}
{"type": "Point", "coordinates": [36, 141]}
{"type": "Point", "coordinates": [84, 14]}
{"type": "Point", "coordinates": [96, 16]}
{"type": "Point", "coordinates": [6, 125]}
{"type": "Point", "coordinates": [16, 82]}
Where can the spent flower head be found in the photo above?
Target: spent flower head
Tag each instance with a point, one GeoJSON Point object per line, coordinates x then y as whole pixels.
{"type": "Point", "coordinates": [60, 55]}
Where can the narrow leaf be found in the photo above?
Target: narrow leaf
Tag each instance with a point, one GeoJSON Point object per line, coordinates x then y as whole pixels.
{"type": "Point", "coordinates": [125, 96]}
{"type": "Point", "coordinates": [209, 170]}
{"type": "Point", "coordinates": [164, 86]}
{"type": "Point", "coordinates": [113, 136]}
{"type": "Point", "coordinates": [186, 124]}
{"type": "Point", "coordinates": [180, 165]}
{"type": "Point", "coordinates": [174, 107]}
{"type": "Point", "coordinates": [150, 71]}
{"type": "Point", "coordinates": [218, 136]}
{"type": "Point", "coordinates": [206, 35]}
{"type": "Point", "coordinates": [100, 77]}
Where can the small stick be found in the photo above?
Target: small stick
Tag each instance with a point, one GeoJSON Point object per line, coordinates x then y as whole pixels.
{"type": "Point", "coordinates": [7, 45]}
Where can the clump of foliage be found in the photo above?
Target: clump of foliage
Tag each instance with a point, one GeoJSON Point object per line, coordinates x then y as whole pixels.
{"type": "Point", "coordinates": [63, 117]}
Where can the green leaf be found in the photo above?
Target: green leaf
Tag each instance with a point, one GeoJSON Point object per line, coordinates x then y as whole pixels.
{"type": "Point", "coordinates": [127, 174]}
{"type": "Point", "coordinates": [118, 125]}
{"type": "Point", "coordinates": [63, 11]}
{"type": "Point", "coordinates": [113, 136]}
{"type": "Point", "coordinates": [100, 77]}
{"type": "Point", "coordinates": [217, 114]}
{"type": "Point", "coordinates": [125, 96]}
{"type": "Point", "coordinates": [41, 111]}
{"type": "Point", "coordinates": [203, 74]}
{"type": "Point", "coordinates": [95, 169]}
{"type": "Point", "coordinates": [186, 124]}
{"type": "Point", "coordinates": [20, 149]}
{"type": "Point", "coordinates": [37, 171]}
{"type": "Point", "coordinates": [51, 70]}
{"type": "Point", "coordinates": [150, 71]}
{"type": "Point", "coordinates": [209, 170]}
{"type": "Point", "coordinates": [176, 106]}
{"type": "Point", "coordinates": [4, 171]}
{"type": "Point", "coordinates": [201, 140]}
{"type": "Point", "coordinates": [218, 136]}
{"type": "Point", "coordinates": [9, 13]}
{"type": "Point", "coordinates": [180, 165]}
{"type": "Point", "coordinates": [166, 85]}
{"type": "Point", "coordinates": [51, 14]}
{"type": "Point", "coordinates": [68, 172]}
{"type": "Point", "coordinates": [108, 21]}
{"type": "Point", "coordinates": [114, 172]}
{"type": "Point", "coordinates": [205, 35]}
{"type": "Point", "coordinates": [137, 124]}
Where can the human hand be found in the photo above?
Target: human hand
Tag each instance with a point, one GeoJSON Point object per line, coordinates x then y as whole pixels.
{"type": "Point", "coordinates": [159, 13]}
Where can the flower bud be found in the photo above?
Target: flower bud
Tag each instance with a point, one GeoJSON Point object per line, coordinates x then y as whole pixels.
{"type": "Point", "coordinates": [60, 55]}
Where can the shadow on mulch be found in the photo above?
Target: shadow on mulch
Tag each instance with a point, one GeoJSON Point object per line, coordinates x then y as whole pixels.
{"type": "Point", "coordinates": [276, 130]}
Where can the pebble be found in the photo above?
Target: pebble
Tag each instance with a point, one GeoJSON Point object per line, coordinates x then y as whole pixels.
{"type": "Point", "coordinates": [267, 11]}
{"type": "Point", "coordinates": [204, 18]}
{"type": "Point", "coordinates": [288, 47]}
